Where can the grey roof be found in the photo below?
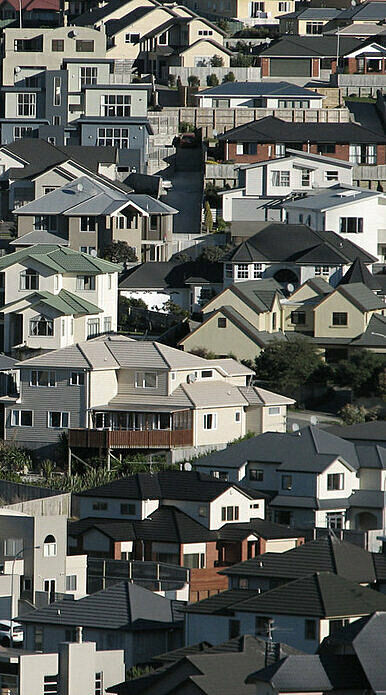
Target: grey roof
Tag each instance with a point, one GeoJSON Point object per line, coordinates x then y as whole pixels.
{"type": "Point", "coordinates": [358, 272]}
{"type": "Point", "coordinates": [372, 456]}
{"type": "Point", "coordinates": [6, 362]}
{"type": "Point", "coordinates": [326, 554]}
{"type": "Point", "coordinates": [375, 499]}
{"type": "Point", "coordinates": [257, 89]}
{"type": "Point", "coordinates": [319, 13]}
{"type": "Point", "coordinates": [39, 237]}
{"type": "Point", "coordinates": [311, 46]}
{"type": "Point", "coordinates": [368, 12]}
{"type": "Point", "coordinates": [58, 259]}
{"type": "Point", "coordinates": [365, 431]}
{"type": "Point", "coordinates": [119, 607]}
{"type": "Point", "coordinates": [88, 19]}
{"type": "Point", "coordinates": [374, 335]}
{"type": "Point", "coordinates": [360, 295]}
{"type": "Point", "coordinates": [261, 338]}
{"type": "Point", "coordinates": [294, 674]}
{"type": "Point", "coordinates": [296, 243]}
{"type": "Point", "coordinates": [271, 129]}
{"type": "Point", "coordinates": [336, 196]}
{"type": "Point", "coordinates": [114, 26]}
{"type": "Point", "coordinates": [170, 274]}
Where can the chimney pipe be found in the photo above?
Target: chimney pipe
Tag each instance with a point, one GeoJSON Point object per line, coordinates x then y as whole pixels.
{"type": "Point", "coordinates": [79, 634]}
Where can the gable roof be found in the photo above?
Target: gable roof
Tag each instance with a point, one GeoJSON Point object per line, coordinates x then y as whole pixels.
{"type": "Point", "coordinates": [114, 26]}
{"type": "Point", "coordinates": [326, 554]}
{"type": "Point", "coordinates": [60, 260]}
{"type": "Point", "coordinates": [97, 14]}
{"type": "Point", "coordinates": [311, 46]}
{"type": "Point", "coordinates": [361, 296]}
{"type": "Point", "coordinates": [257, 89]}
{"type": "Point", "coordinates": [65, 303]}
{"type": "Point", "coordinates": [170, 274]}
{"type": "Point", "coordinates": [294, 674]}
{"type": "Point", "coordinates": [118, 607]}
{"type": "Point", "coordinates": [271, 129]}
{"type": "Point", "coordinates": [374, 335]}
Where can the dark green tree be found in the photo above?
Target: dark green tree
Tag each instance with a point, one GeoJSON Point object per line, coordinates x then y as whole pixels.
{"type": "Point", "coordinates": [212, 80]}
{"type": "Point", "coordinates": [120, 252]}
{"type": "Point", "coordinates": [288, 365]}
{"type": "Point", "coordinates": [364, 372]}
{"type": "Point", "coordinates": [229, 77]}
{"type": "Point", "coordinates": [217, 61]}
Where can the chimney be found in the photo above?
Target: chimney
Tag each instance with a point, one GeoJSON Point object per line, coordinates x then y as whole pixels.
{"type": "Point", "coordinates": [79, 634]}
{"type": "Point", "coordinates": [272, 652]}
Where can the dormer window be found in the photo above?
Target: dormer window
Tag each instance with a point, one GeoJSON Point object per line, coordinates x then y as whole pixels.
{"type": "Point", "coordinates": [29, 279]}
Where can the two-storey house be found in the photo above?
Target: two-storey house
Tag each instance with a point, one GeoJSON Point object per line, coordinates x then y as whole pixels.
{"type": "Point", "coordinates": [114, 396]}
{"type": "Point", "coordinates": [249, 13]}
{"type": "Point", "coordinates": [54, 296]}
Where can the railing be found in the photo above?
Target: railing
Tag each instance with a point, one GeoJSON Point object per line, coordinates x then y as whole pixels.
{"type": "Point", "coordinates": [155, 576]}
{"type": "Point", "coordinates": [129, 439]}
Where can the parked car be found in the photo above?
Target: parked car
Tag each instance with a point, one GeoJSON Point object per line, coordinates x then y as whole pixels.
{"type": "Point", "coordinates": [5, 633]}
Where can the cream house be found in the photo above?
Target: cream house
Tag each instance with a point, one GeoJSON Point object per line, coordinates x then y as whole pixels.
{"type": "Point", "coordinates": [346, 312]}
{"type": "Point", "coordinates": [250, 13]}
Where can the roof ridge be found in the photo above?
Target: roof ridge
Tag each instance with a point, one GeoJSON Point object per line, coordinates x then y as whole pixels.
{"type": "Point", "coordinates": [157, 346]}
{"type": "Point", "coordinates": [320, 592]}
{"type": "Point", "coordinates": [77, 345]}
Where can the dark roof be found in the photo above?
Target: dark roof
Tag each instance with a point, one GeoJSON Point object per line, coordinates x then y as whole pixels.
{"type": "Point", "coordinates": [120, 607]}
{"type": "Point", "coordinates": [365, 431]}
{"type": "Point", "coordinates": [261, 527]}
{"type": "Point", "coordinates": [311, 46]}
{"type": "Point", "coordinates": [6, 362]}
{"type": "Point", "coordinates": [297, 243]}
{"type": "Point", "coordinates": [113, 26]}
{"type": "Point", "coordinates": [88, 19]}
{"type": "Point", "coordinates": [358, 272]}
{"type": "Point", "coordinates": [294, 674]}
{"type": "Point", "coordinates": [258, 88]}
{"type": "Point", "coordinates": [271, 129]}
{"type": "Point", "coordinates": [172, 485]}
{"type": "Point", "coordinates": [361, 296]}
{"type": "Point", "coordinates": [170, 274]}
{"type": "Point", "coordinates": [374, 335]}
{"type": "Point", "coordinates": [322, 594]}
{"type": "Point", "coordinates": [323, 555]}
{"type": "Point", "coordinates": [366, 12]}
{"type": "Point", "coordinates": [218, 604]}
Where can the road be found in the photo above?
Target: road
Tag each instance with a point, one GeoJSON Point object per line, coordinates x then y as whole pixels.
{"type": "Point", "coordinates": [186, 195]}
{"type": "Point", "coordinates": [303, 418]}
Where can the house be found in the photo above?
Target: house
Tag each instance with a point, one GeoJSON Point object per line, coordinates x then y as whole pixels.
{"type": "Point", "coordinates": [262, 185]}
{"type": "Point", "coordinates": [354, 213]}
{"type": "Point", "coordinates": [74, 667]}
{"type": "Point", "coordinates": [314, 478]}
{"type": "Point", "coordinates": [35, 566]}
{"type": "Point", "coordinates": [250, 14]}
{"type": "Point", "coordinates": [189, 285]}
{"type": "Point", "coordinates": [289, 253]}
{"type": "Point", "coordinates": [270, 95]}
{"type": "Point", "coordinates": [307, 22]}
{"type": "Point", "coordinates": [303, 612]}
{"type": "Point", "coordinates": [350, 658]}
{"type": "Point", "coordinates": [124, 617]}
{"type": "Point", "coordinates": [359, 15]}
{"type": "Point", "coordinates": [305, 56]}
{"type": "Point", "coordinates": [206, 668]}
{"type": "Point", "coordinates": [89, 213]}
{"type": "Point", "coordinates": [326, 554]}
{"type": "Point", "coordinates": [269, 138]}
{"type": "Point", "coordinates": [358, 272]}
{"type": "Point", "coordinates": [54, 296]}
{"type": "Point", "coordinates": [32, 14]}
{"type": "Point", "coordinates": [155, 398]}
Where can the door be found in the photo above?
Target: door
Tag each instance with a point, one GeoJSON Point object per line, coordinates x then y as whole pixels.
{"type": "Point", "coordinates": [50, 589]}
{"type": "Point", "coordinates": [290, 67]}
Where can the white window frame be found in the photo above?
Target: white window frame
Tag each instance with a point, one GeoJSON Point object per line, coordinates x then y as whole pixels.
{"type": "Point", "coordinates": [212, 421]}
{"type": "Point", "coordinates": [75, 378]}
{"type": "Point", "coordinates": [51, 381]}
{"type": "Point", "coordinates": [274, 410]}
{"type": "Point", "coordinates": [16, 418]}
{"type": "Point", "coordinates": [281, 178]}
{"type": "Point", "coordinates": [115, 105]}
{"type": "Point", "coordinates": [26, 104]}
{"type": "Point", "coordinates": [64, 414]}
{"type": "Point", "coordinates": [141, 377]}
{"type": "Point", "coordinates": [34, 324]}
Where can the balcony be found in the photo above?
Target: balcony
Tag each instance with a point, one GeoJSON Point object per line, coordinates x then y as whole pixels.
{"type": "Point", "coordinates": [129, 439]}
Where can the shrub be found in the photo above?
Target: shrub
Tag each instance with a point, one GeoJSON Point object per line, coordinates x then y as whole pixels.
{"type": "Point", "coordinates": [120, 252]}
{"type": "Point", "coordinates": [193, 81]}
{"type": "Point", "coordinates": [217, 61]}
{"type": "Point", "coordinates": [208, 217]}
{"type": "Point", "coordinates": [212, 80]}
{"type": "Point", "coordinates": [229, 77]}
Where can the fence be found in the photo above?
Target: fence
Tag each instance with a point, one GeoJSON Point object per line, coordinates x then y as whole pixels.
{"type": "Point", "coordinates": [155, 576]}
{"type": "Point", "coordinates": [241, 74]}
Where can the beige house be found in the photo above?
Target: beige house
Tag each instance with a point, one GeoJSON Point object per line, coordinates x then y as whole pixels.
{"type": "Point", "coordinates": [250, 13]}
{"type": "Point", "coordinates": [346, 312]}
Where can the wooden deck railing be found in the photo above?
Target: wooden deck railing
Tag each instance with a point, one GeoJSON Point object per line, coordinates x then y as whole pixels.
{"type": "Point", "coordinates": [129, 439]}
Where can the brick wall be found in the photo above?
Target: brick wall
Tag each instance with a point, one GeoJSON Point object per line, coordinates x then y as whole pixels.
{"type": "Point", "coordinates": [315, 67]}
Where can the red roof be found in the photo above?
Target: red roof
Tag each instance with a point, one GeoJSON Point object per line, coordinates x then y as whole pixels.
{"type": "Point", "coordinates": [27, 5]}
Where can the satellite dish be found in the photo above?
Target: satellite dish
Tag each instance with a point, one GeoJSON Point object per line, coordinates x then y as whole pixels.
{"type": "Point", "coordinates": [79, 187]}
{"type": "Point", "coordinates": [93, 253]}
{"type": "Point", "coordinates": [290, 287]}
{"type": "Point", "coordinates": [192, 378]}
{"type": "Point", "coordinates": [295, 427]}
{"type": "Point", "coordinates": [313, 420]}
{"type": "Point", "coordinates": [187, 466]}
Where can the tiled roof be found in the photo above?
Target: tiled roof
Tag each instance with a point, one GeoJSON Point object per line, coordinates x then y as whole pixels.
{"type": "Point", "coordinates": [64, 302]}
{"type": "Point", "coordinates": [311, 46]}
{"type": "Point", "coordinates": [255, 89]}
{"type": "Point", "coordinates": [359, 273]}
{"type": "Point", "coordinates": [293, 674]}
{"type": "Point", "coordinates": [60, 260]}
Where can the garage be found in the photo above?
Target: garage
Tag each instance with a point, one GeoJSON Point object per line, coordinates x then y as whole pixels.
{"type": "Point", "coordinates": [290, 67]}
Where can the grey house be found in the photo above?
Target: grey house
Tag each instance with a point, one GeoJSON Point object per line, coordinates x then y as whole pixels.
{"type": "Point", "coordinates": [124, 616]}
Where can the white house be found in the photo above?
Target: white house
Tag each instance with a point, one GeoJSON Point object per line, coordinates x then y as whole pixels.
{"type": "Point", "coordinates": [269, 95]}
{"type": "Point", "coordinates": [356, 214]}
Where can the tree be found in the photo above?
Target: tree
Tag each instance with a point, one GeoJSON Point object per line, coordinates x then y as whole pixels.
{"type": "Point", "coordinates": [208, 217]}
{"type": "Point", "coordinates": [223, 25]}
{"type": "Point", "coordinates": [364, 372]}
{"type": "Point", "coordinates": [182, 257]}
{"type": "Point", "coordinates": [211, 254]}
{"type": "Point", "coordinates": [186, 127]}
{"type": "Point", "coordinates": [14, 459]}
{"type": "Point", "coordinates": [203, 352]}
{"type": "Point", "coordinates": [172, 308]}
{"type": "Point", "coordinates": [193, 81]}
{"type": "Point", "coordinates": [217, 61]}
{"type": "Point", "coordinates": [352, 414]}
{"type": "Point", "coordinates": [127, 319]}
{"type": "Point", "coordinates": [242, 61]}
{"type": "Point", "coordinates": [229, 77]}
{"type": "Point", "coordinates": [120, 252]}
{"type": "Point", "coordinates": [222, 226]}
{"type": "Point", "coordinates": [212, 80]}
{"type": "Point", "coordinates": [288, 365]}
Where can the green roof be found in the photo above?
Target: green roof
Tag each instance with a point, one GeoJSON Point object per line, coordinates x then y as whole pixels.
{"type": "Point", "coordinates": [60, 259]}
{"type": "Point", "coordinates": [65, 302]}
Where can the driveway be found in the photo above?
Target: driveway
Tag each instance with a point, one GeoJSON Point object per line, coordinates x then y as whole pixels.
{"type": "Point", "coordinates": [302, 418]}
{"type": "Point", "coordinates": [186, 197]}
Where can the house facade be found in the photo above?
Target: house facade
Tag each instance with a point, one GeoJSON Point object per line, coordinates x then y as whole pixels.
{"type": "Point", "coordinates": [269, 95]}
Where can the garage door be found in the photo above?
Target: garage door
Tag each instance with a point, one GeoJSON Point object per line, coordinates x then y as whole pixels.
{"type": "Point", "coordinates": [290, 67]}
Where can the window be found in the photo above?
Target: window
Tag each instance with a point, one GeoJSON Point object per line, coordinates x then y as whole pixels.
{"type": "Point", "coordinates": [335, 520]}
{"type": "Point", "coordinates": [221, 322]}
{"type": "Point", "coordinates": [85, 283]}
{"type": "Point", "coordinates": [322, 270]}
{"type": "Point", "coordinates": [256, 8]}
{"type": "Point", "coordinates": [314, 28]}
{"type": "Point", "coordinates": [107, 324]}
{"type": "Point", "coordinates": [49, 546]}
{"type": "Point", "coordinates": [50, 685]}
{"type": "Point", "coordinates": [71, 582]}
{"type": "Point", "coordinates": [326, 148]}
{"type": "Point", "coordinates": [237, 416]}
{"type": "Point", "coordinates": [163, 39]}
{"type": "Point", "coordinates": [335, 481]}
{"type": "Point", "coordinates": [57, 84]}
{"type": "Point", "coordinates": [281, 178]}
{"type": "Point", "coordinates": [310, 629]}
{"type": "Point", "coordinates": [306, 177]}
{"type": "Point", "coordinates": [100, 506]}
{"type": "Point", "coordinates": [87, 249]}
{"type": "Point", "coordinates": [242, 271]}
{"type": "Point", "coordinates": [284, 6]}
{"type": "Point", "coordinates": [146, 380]}
{"type": "Point", "coordinates": [26, 104]}
{"type": "Point", "coordinates": [128, 509]}
{"type": "Point", "coordinates": [243, 583]}
{"type": "Point", "coordinates": [56, 120]}
{"type": "Point", "coordinates": [220, 475]}
{"type": "Point", "coordinates": [351, 225]}
{"type": "Point", "coordinates": [363, 154]}
{"type": "Point", "coordinates": [38, 638]}
{"type": "Point", "coordinates": [58, 419]}
{"type": "Point", "coordinates": [29, 279]}
{"type": "Point", "coordinates": [279, 150]}
{"type": "Point", "coordinates": [131, 38]}
{"type": "Point", "coordinates": [331, 175]}
{"type": "Point", "coordinates": [42, 377]}
{"type": "Point", "coordinates": [202, 511]}
{"type": "Point", "coordinates": [23, 131]}
{"type": "Point", "coordinates": [234, 625]}
{"type": "Point", "coordinates": [83, 46]}
{"type": "Point", "coordinates": [262, 626]}
{"type": "Point", "coordinates": [274, 410]}
{"type": "Point", "coordinates": [286, 482]}
{"type": "Point", "coordinates": [239, 148]}
{"type": "Point", "coordinates": [92, 327]}
{"type": "Point", "coordinates": [205, 33]}
{"type": "Point", "coordinates": [294, 104]}
{"type": "Point", "coordinates": [21, 418]}
{"type": "Point", "coordinates": [45, 223]}
{"type": "Point", "coordinates": [116, 105]}
{"type": "Point", "coordinates": [88, 224]}
{"type": "Point", "coordinates": [99, 690]}
{"type": "Point", "coordinates": [13, 547]}
{"type": "Point", "coordinates": [210, 421]}
{"type": "Point", "coordinates": [88, 76]}
{"type": "Point", "coordinates": [57, 45]}
{"type": "Point", "coordinates": [257, 270]}
{"type": "Point", "coordinates": [256, 474]}
{"type": "Point", "coordinates": [298, 318]}
{"type": "Point", "coordinates": [273, 321]}
{"type": "Point", "coordinates": [113, 137]}
{"type": "Point", "coordinates": [229, 270]}
{"type": "Point", "coordinates": [153, 223]}
{"type": "Point", "coordinates": [229, 513]}
{"type": "Point", "coordinates": [339, 318]}
{"type": "Point", "coordinates": [206, 374]}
